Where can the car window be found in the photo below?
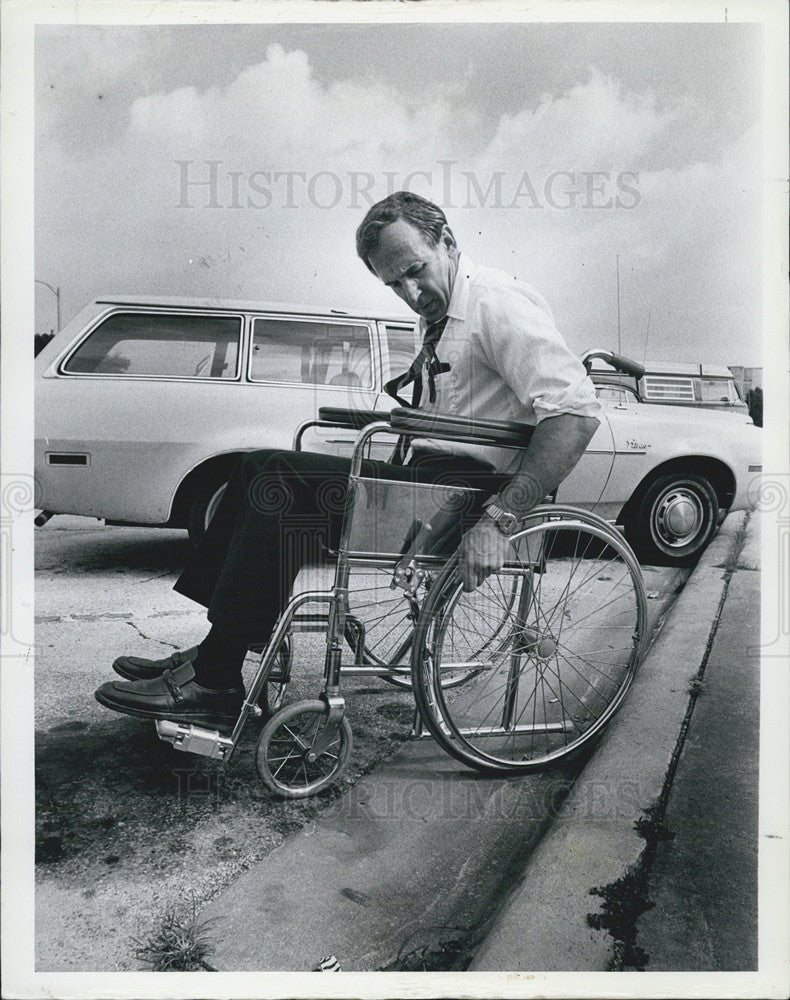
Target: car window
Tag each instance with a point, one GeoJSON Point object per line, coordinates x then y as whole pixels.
{"type": "Point", "coordinates": [311, 352]}
{"type": "Point", "coordinates": [614, 394]}
{"type": "Point", "coordinates": [153, 344]}
{"type": "Point", "coordinates": [402, 347]}
{"type": "Point", "coordinates": [717, 390]}
{"type": "Point", "coordinates": [677, 388]}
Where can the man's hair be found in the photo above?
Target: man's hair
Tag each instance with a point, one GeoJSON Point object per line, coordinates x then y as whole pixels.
{"type": "Point", "coordinates": [428, 218]}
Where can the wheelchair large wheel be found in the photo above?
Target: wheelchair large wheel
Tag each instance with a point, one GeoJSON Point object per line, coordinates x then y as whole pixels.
{"type": "Point", "coordinates": [273, 692]}
{"type": "Point", "coordinates": [549, 681]}
{"type": "Point", "coordinates": [285, 758]}
{"type": "Point", "coordinates": [380, 620]}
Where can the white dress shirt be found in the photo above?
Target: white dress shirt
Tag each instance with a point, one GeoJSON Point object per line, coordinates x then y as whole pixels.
{"type": "Point", "coordinates": [508, 362]}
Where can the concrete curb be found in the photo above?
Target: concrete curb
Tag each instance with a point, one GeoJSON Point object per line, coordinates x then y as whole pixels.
{"type": "Point", "coordinates": [592, 842]}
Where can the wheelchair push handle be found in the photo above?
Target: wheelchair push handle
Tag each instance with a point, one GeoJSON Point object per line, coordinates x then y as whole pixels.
{"type": "Point", "coordinates": [619, 362]}
{"type": "Point", "coordinates": [504, 433]}
{"type": "Point", "coordinates": [342, 417]}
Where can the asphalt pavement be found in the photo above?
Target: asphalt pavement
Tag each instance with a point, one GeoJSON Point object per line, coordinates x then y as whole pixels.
{"type": "Point", "coordinates": [643, 857]}
{"type": "Point", "coordinates": [400, 863]}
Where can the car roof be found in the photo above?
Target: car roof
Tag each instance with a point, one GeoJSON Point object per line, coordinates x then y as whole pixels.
{"type": "Point", "coordinates": [247, 305]}
{"type": "Point", "coordinates": [673, 368]}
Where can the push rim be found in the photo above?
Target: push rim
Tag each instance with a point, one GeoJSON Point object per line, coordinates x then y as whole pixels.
{"type": "Point", "coordinates": [554, 678]}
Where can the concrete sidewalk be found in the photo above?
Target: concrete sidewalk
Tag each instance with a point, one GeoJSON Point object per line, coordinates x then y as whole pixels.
{"type": "Point", "coordinates": [402, 871]}
{"type": "Point", "coordinates": [415, 860]}
{"type": "Point", "coordinates": [680, 892]}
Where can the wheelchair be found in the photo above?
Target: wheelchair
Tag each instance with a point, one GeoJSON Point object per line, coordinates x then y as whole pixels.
{"type": "Point", "coordinates": [509, 678]}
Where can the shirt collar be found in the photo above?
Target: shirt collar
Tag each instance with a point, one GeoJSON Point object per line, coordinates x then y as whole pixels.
{"type": "Point", "coordinates": [460, 294]}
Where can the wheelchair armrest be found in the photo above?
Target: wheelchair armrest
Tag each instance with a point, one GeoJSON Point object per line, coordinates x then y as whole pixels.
{"type": "Point", "coordinates": [504, 433]}
{"type": "Point", "coordinates": [341, 417]}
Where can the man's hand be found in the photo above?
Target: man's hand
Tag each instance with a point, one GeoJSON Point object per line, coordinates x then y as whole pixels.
{"type": "Point", "coordinates": [483, 551]}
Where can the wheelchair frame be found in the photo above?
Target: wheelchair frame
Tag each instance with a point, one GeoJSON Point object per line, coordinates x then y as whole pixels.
{"type": "Point", "coordinates": [328, 734]}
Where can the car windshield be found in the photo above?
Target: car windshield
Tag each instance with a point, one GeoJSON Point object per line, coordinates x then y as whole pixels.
{"type": "Point", "coordinates": [718, 390]}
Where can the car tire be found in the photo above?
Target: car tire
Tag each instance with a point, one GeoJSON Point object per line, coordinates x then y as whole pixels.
{"type": "Point", "coordinates": [203, 506]}
{"type": "Point", "coordinates": [675, 519]}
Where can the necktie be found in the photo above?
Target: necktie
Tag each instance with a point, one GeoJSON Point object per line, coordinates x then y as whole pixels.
{"type": "Point", "coordinates": [428, 360]}
{"type": "Point", "coordinates": [425, 359]}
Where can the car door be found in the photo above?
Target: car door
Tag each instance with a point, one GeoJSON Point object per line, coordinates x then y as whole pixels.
{"type": "Point", "coordinates": [147, 395]}
{"type": "Point", "coordinates": [299, 364]}
{"type": "Point", "coordinates": [121, 413]}
{"type": "Point", "coordinates": [586, 485]}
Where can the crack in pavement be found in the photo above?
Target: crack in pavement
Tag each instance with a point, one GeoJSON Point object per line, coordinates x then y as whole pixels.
{"type": "Point", "coordinates": [150, 638]}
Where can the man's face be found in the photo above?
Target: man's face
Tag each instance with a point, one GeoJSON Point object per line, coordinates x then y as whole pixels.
{"type": "Point", "coordinates": [418, 272]}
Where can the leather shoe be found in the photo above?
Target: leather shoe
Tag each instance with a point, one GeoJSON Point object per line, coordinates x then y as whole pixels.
{"type": "Point", "coordinates": [137, 668]}
{"type": "Point", "coordinates": [175, 695]}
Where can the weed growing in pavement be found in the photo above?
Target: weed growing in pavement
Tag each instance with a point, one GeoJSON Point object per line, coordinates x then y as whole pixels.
{"type": "Point", "coordinates": [448, 955]}
{"type": "Point", "coordinates": [627, 898]}
{"type": "Point", "coordinates": [651, 827]}
{"type": "Point", "coordinates": [181, 944]}
{"type": "Point", "coordinates": [696, 686]}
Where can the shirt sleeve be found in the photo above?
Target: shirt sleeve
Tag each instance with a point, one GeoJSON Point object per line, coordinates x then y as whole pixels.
{"type": "Point", "coordinates": [521, 343]}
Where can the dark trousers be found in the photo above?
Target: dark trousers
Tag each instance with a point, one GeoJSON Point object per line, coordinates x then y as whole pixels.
{"type": "Point", "coordinates": [281, 510]}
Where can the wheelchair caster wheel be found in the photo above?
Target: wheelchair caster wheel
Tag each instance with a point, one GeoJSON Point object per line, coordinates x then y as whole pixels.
{"type": "Point", "coordinates": [285, 758]}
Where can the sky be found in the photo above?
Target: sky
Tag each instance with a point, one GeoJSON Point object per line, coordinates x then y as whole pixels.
{"type": "Point", "coordinates": [235, 161]}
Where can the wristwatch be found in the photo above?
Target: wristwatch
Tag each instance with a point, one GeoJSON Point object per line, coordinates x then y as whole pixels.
{"type": "Point", "coordinates": [505, 520]}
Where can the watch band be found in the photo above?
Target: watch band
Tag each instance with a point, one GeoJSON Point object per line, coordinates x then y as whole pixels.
{"type": "Point", "coordinates": [505, 520]}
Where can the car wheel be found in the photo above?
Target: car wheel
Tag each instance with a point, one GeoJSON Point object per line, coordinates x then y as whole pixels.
{"type": "Point", "coordinates": [203, 506]}
{"type": "Point", "coordinates": [675, 519]}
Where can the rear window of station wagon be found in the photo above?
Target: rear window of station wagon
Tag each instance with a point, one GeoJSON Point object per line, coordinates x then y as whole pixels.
{"type": "Point", "coordinates": [689, 389]}
{"type": "Point", "coordinates": [156, 345]}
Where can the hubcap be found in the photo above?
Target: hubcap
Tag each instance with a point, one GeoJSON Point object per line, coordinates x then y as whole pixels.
{"type": "Point", "coordinates": [678, 518]}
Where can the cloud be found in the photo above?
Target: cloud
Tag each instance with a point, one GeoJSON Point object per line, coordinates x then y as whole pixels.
{"type": "Point", "coordinates": [297, 160]}
{"type": "Point", "coordinates": [592, 126]}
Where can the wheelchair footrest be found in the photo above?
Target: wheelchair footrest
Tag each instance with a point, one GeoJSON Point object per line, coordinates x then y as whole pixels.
{"type": "Point", "coordinates": [194, 739]}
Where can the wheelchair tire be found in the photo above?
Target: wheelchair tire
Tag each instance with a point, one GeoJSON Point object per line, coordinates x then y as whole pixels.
{"type": "Point", "coordinates": [282, 757]}
{"type": "Point", "coordinates": [547, 683]}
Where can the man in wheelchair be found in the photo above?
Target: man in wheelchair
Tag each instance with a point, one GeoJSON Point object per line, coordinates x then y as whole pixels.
{"type": "Point", "coordinates": [490, 351]}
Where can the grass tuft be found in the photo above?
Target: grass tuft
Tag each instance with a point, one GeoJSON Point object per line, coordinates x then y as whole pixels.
{"type": "Point", "coordinates": [696, 686]}
{"type": "Point", "coordinates": [181, 943]}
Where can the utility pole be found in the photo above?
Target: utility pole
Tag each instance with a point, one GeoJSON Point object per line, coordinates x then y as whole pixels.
{"type": "Point", "coordinates": [55, 292]}
{"type": "Point", "coordinates": [619, 350]}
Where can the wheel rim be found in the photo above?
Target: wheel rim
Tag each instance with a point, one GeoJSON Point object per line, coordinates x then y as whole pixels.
{"type": "Point", "coordinates": [556, 678]}
{"type": "Point", "coordinates": [286, 759]}
{"type": "Point", "coordinates": [273, 691]}
{"type": "Point", "coordinates": [680, 517]}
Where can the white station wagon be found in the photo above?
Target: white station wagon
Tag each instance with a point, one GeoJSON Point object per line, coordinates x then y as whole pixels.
{"type": "Point", "coordinates": [143, 406]}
